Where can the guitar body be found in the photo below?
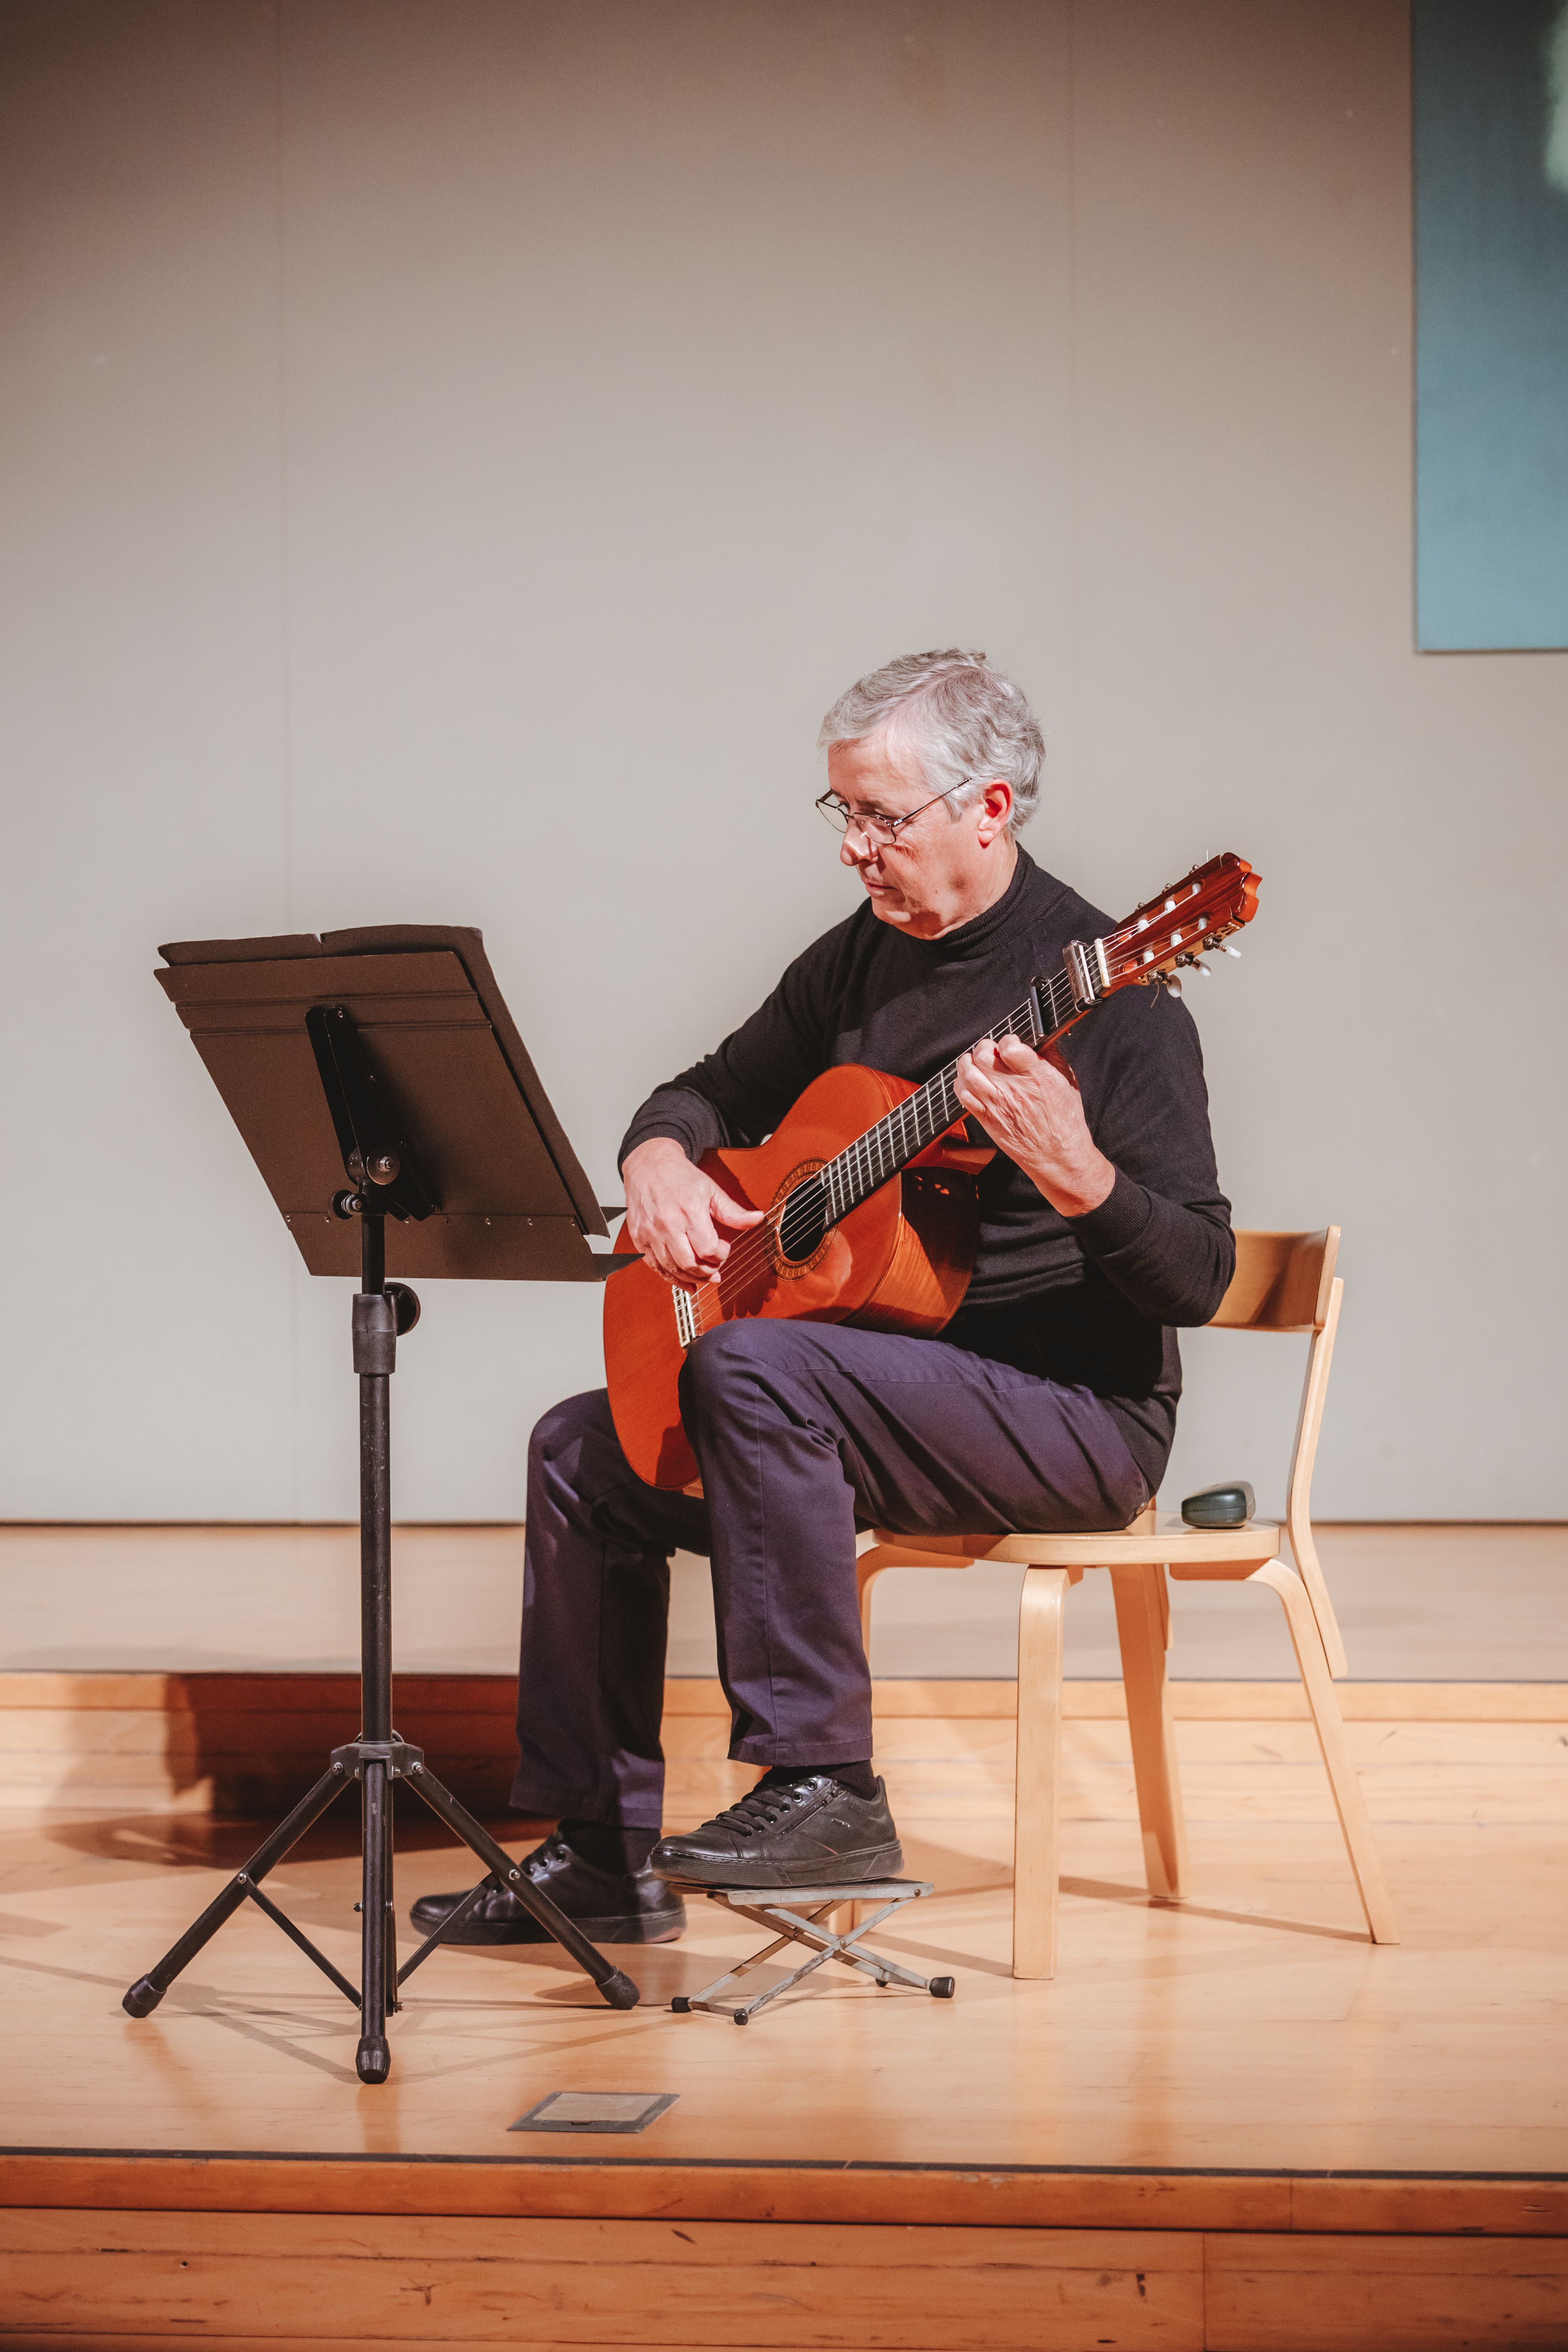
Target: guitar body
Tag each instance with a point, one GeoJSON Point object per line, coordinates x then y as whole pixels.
{"type": "Point", "coordinates": [900, 1262]}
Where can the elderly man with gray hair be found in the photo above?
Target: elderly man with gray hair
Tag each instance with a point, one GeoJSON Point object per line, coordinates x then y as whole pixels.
{"type": "Point", "coordinates": [1047, 1403]}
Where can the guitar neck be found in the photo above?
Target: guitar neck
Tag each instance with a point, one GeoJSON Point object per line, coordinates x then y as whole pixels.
{"type": "Point", "coordinates": [1048, 1013]}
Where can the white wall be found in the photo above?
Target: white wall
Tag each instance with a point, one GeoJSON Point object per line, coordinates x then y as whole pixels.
{"type": "Point", "coordinates": [452, 455]}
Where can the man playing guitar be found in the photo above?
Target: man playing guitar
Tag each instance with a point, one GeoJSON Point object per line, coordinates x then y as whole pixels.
{"type": "Point", "coordinates": [1048, 1402]}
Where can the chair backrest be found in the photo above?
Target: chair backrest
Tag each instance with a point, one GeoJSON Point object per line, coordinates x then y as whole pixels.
{"type": "Point", "coordinates": [1283, 1282]}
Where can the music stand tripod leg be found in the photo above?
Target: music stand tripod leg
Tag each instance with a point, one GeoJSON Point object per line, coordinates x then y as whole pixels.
{"type": "Point", "coordinates": [617, 1988]}
{"type": "Point", "coordinates": [147, 1991]}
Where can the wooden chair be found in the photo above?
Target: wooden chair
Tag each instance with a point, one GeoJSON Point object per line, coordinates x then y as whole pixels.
{"type": "Point", "coordinates": [1283, 1282]}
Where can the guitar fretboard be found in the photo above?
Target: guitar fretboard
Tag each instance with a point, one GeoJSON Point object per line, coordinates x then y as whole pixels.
{"type": "Point", "coordinates": [904, 1133]}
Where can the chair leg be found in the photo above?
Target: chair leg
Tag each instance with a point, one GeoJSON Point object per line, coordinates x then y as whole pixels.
{"type": "Point", "coordinates": [866, 1572]}
{"type": "Point", "coordinates": [866, 1575]}
{"type": "Point", "coordinates": [1035, 1858]}
{"type": "Point", "coordinates": [1354, 1818]}
{"type": "Point", "coordinates": [1142, 1626]}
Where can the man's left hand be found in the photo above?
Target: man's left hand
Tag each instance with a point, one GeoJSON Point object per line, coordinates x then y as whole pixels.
{"type": "Point", "coordinates": [1029, 1106]}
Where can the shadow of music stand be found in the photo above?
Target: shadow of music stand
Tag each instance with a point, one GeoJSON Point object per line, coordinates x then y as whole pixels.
{"type": "Point", "coordinates": [387, 1056]}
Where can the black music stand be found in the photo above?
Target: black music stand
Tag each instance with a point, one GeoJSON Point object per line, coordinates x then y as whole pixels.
{"type": "Point", "coordinates": [387, 1055]}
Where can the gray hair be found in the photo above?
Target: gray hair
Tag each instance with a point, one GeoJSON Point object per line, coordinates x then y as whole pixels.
{"type": "Point", "coordinates": [959, 717]}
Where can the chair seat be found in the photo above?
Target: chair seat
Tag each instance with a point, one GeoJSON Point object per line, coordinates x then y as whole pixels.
{"type": "Point", "coordinates": [1169, 1543]}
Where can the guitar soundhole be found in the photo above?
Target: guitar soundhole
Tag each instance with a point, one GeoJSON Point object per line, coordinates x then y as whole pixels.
{"type": "Point", "coordinates": [797, 1229]}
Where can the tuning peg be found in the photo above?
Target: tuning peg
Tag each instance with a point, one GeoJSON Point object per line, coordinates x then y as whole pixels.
{"type": "Point", "coordinates": [1230, 950]}
{"type": "Point", "coordinates": [1172, 985]}
{"type": "Point", "coordinates": [1203, 968]}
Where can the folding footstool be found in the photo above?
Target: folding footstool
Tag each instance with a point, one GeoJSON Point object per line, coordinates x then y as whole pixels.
{"type": "Point", "coordinates": [770, 1909]}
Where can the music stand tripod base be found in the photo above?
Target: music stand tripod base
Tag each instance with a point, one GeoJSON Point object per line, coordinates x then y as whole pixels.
{"type": "Point", "coordinates": [780, 1910]}
{"type": "Point", "coordinates": [378, 1758]}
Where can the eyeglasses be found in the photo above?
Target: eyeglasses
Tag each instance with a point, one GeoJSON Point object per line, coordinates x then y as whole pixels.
{"type": "Point", "coordinates": [876, 825]}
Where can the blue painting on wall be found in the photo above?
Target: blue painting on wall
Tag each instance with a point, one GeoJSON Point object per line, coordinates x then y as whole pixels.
{"type": "Point", "coordinates": [1491, 324]}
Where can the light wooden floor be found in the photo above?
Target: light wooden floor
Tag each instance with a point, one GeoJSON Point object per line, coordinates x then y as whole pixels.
{"type": "Point", "coordinates": [1253, 2027]}
{"type": "Point", "coordinates": [1232, 2127]}
{"type": "Point", "coordinates": [1226, 2126]}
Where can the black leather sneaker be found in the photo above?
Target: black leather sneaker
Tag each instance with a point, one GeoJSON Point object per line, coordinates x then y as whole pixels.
{"type": "Point", "coordinates": [811, 1832]}
{"type": "Point", "coordinates": [609, 1909]}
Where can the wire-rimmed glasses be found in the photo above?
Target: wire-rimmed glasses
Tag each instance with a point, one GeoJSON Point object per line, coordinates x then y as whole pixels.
{"type": "Point", "coordinates": [876, 825]}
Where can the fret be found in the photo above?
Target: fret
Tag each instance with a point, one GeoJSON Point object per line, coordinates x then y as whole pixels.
{"type": "Point", "coordinates": [1061, 1005]}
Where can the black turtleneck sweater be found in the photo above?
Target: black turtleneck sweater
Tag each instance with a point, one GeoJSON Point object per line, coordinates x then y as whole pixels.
{"type": "Point", "coordinates": [1090, 1299]}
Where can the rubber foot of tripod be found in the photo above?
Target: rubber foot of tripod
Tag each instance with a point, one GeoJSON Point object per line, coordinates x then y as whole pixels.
{"type": "Point", "coordinates": [373, 2058]}
{"type": "Point", "coordinates": [620, 1992]}
{"type": "Point", "coordinates": [142, 1997]}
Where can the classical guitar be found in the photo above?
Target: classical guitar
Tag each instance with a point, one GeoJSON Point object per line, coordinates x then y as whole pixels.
{"type": "Point", "coordinates": [869, 1183]}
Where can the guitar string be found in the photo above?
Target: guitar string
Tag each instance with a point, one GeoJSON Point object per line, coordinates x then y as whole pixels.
{"type": "Point", "coordinates": [865, 1156]}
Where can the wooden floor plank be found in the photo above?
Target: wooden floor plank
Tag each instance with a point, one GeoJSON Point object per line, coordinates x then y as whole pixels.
{"type": "Point", "coordinates": [118, 2339]}
{"type": "Point", "coordinates": [631, 2191]}
{"type": "Point", "coordinates": [1300, 2293]}
{"type": "Point", "coordinates": [1437, 2208]}
{"type": "Point", "coordinates": [624, 2282]}
{"type": "Point", "coordinates": [31, 2339]}
{"type": "Point", "coordinates": [67, 2277]}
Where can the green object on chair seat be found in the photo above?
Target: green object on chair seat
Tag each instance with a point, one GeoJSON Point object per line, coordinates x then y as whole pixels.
{"type": "Point", "coordinates": [1229, 1504]}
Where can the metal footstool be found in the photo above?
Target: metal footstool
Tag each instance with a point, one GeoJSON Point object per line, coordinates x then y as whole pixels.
{"type": "Point", "coordinates": [777, 1909]}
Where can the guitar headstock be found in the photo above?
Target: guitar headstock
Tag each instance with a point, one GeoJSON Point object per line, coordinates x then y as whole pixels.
{"type": "Point", "coordinates": [1175, 926]}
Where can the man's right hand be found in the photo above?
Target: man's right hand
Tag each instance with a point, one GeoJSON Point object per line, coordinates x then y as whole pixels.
{"type": "Point", "coordinates": [679, 1218]}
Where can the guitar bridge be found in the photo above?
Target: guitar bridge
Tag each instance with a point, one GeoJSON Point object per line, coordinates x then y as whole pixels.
{"type": "Point", "coordinates": [685, 1315]}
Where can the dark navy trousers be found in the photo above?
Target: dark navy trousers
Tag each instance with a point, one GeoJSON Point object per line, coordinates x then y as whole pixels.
{"type": "Point", "coordinates": [803, 1432]}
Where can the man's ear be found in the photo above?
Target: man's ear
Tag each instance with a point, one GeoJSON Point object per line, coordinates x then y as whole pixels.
{"type": "Point", "coordinates": [997, 804]}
